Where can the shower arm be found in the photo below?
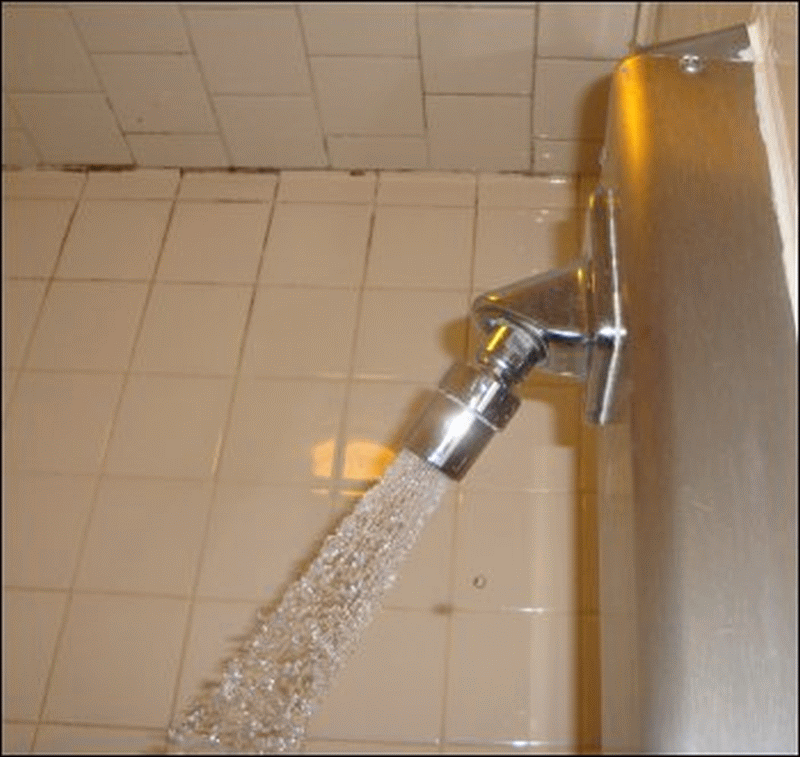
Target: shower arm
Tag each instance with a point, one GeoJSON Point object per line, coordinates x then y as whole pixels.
{"type": "Point", "coordinates": [567, 322]}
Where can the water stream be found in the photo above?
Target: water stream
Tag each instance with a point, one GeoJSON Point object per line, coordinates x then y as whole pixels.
{"type": "Point", "coordinates": [270, 688]}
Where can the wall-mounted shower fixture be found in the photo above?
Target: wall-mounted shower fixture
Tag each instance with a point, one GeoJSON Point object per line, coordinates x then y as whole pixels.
{"type": "Point", "coordinates": [568, 322]}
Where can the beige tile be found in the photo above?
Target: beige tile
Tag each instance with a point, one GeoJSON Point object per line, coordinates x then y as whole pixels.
{"type": "Point", "coordinates": [121, 28]}
{"type": "Point", "coordinates": [301, 332]}
{"type": "Point", "coordinates": [65, 68]}
{"type": "Point", "coordinates": [218, 630]}
{"type": "Point", "coordinates": [30, 627]}
{"type": "Point", "coordinates": [326, 186]}
{"type": "Point", "coordinates": [359, 29]}
{"type": "Point", "coordinates": [315, 746]}
{"type": "Point", "coordinates": [535, 192]}
{"type": "Point", "coordinates": [410, 336]}
{"type": "Point", "coordinates": [139, 184]}
{"type": "Point", "coordinates": [280, 131]}
{"type": "Point", "coordinates": [517, 551]}
{"type": "Point", "coordinates": [60, 422]}
{"type": "Point", "coordinates": [66, 739]}
{"type": "Point", "coordinates": [144, 537]}
{"type": "Point", "coordinates": [514, 243]}
{"type": "Point", "coordinates": [476, 50]}
{"type": "Point", "coordinates": [512, 677]}
{"type": "Point", "coordinates": [115, 239]}
{"type": "Point", "coordinates": [430, 247]}
{"type": "Point", "coordinates": [9, 379]}
{"type": "Point", "coordinates": [317, 244]}
{"type": "Point", "coordinates": [21, 303]}
{"type": "Point", "coordinates": [43, 184]}
{"type": "Point", "coordinates": [214, 242]}
{"type": "Point", "coordinates": [73, 128]}
{"type": "Point", "coordinates": [18, 150]}
{"type": "Point", "coordinates": [45, 517]}
{"type": "Point", "coordinates": [216, 185]}
{"type": "Point", "coordinates": [87, 326]}
{"type": "Point", "coordinates": [377, 152]}
{"type": "Point", "coordinates": [283, 431]}
{"type": "Point", "coordinates": [136, 637]}
{"type": "Point", "coordinates": [263, 537]}
{"type": "Point", "coordinates": [10, 120]}
{"type": "Point", "coordinates": [178, 150]}
{"type": "Point", "coordinates": [566, 157]}
{"type": "Point", "coordinates": [193, 328]}
{"type": "Point", "coordinates": [392, 687]}
{"type": "Point", "coordinates": [571, 98]}
{"type": "Point", "coordinates": [18, 737]}
{"type": "Point", "coordinates": [585, 30]}
{"type": "Point", "coordinates": [479, 133]}
{"type": "Point", "coordinates": [155, 92]}
{"type": "Point", "coordinates": [169, 426]}
{"type": "Point", "coordinates": [250, 51]}
{"type": "Point", "coordinates": [33, 231]}
{"type": "Point", "coordinates": [372, 96]}
{"type": "Point", "coordinates": [427, 188]}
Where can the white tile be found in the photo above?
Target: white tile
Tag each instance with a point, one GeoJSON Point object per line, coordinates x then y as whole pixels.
{"type": "Point", "coordinates": [169, 426]}
{"type": "Point", "coordinates": [378, 417]}
{"type": "Point", "coordinates": [317, 244]}
{"type": "Point", "coordinates": [392, 687]}
{"type": "Point", "coordinates": [421, 247]}
{"type": "Point", "coordinates": [517, 551]}
{"type": "Point", "coordinates": [585, 30]}
{"type": "Point", "coordinates": [214, 242]}
{"type": "Point", "coordinates": [30, 625]}
{"type": "Point", "coordinates": [71, 739]}
{"type": "Point", "coordinates": [271, 132]}
{"type": "Point", "coordinates": [479, 133]}
{"type": "Point", "coordinates": [33, 231]}
{"type": "Point", "coordinates": [359, 29]}
{"type": "Point", "coordinates": [60, 422]}
{"type": "Point", "coordinates": [374, 96]}
{"type": "Point", "coordinates": [434, 188]}
{"type": "Point", "coordinates": [126, 28]}
{"type": "Point", "coordinates": [18, 150]}
{"type": "Point", "coordinates": [511, 677]}
{"type": "Point", "coordinates": [21, 303]}
{"type": "Point", "coordinates": [217, 631]}
{"type": "Point", "coordinates": [17, 737]}
{"type": "Point", "coordinates": [228, 186]}
{"type": "Point", "coordinates": [192, 328]}
{"type": "Point", "coordinates": [87, 326]}
{"type": "Point", "coordinates": [137, 638]}
{"type": "Point", "coordinates": [565, 157]}
{"type": "Point", "coordinates": [477, 50]}
{"type": "Point", "coordinates": [498, 191]}
{"type": "Point", "coordinates": [410, 336]}
{"type": "Point", "coordinates": [145, 536]}
{"type": "Point", "coordinates": [283, 431]}
{"type": "Point", "coordinates": [514, 243]}
{"type": "Point", "coordinates": [571, 99]}
{"type": "Point", "coordinates": [114, 239]}
{"type": "Point", "coordinates": [139, 184]}
{"type": "Point", "coordinates": [45, 516]}
{"type": "Point", "coordinates": [255, 51]}
{"type": "Point", "coordinates": [65, 67]}
{"type": "Point", "coordinates": [179, 150]}
{"type": "Point", "coordinates": [73, 128]}
{"type": "Point", "coordinates": [315, 746]}
{"type": "Point", "coordinates": [301, 332]}
{"type": "Point", "coordinates": [261, 538]}
{"type": "Point", "coordinates": [378, 152]}
{"type": "Point", "coordinates": [326, 186]}
{"type": "Point", "coordinates": [43, 184]}
{"type": "Point", "coordinates": [156, 92]}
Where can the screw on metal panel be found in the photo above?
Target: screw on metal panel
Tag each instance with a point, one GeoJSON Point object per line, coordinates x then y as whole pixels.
{"type": "Point", "coordinates": [691, 64]}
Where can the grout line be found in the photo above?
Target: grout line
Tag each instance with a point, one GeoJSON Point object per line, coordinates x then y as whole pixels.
{"type": "Point", "coordinates": [218, 463]}
{"type": "Point", "coordinates": [531, 139]}
{"type": "Point", "coordinates": [423, 102]}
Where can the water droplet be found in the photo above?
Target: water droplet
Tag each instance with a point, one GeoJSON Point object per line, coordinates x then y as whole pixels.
{"type": "Point", "coordinates": [479, 582]}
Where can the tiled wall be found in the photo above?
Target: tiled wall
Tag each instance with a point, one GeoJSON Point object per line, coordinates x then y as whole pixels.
{"type": "Point", "coordinates": [486, 86]}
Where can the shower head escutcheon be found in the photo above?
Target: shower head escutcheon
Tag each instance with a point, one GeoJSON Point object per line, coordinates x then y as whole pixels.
{"type": "Point", "coordinates": [566, 322]}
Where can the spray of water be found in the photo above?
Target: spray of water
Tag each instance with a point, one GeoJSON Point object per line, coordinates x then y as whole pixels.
{"type": "Point", "coordinates": [272, 686]}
